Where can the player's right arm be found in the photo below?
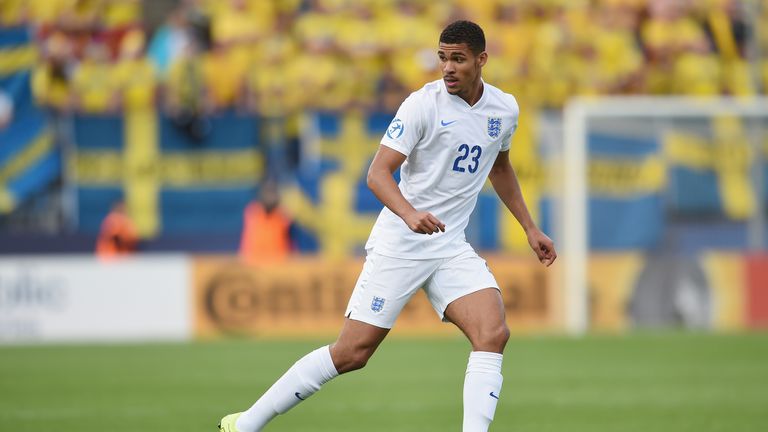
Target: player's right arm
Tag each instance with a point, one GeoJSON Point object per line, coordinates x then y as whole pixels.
{"type": "Point", "coordinates": [383, 185]}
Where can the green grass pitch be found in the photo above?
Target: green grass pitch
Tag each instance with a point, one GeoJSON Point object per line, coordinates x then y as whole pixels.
{"type": "Point", "coordinates": [644, 382]}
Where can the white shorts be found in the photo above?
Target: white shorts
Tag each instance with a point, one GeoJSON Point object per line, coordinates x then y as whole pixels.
{"type": "Point", "coordinates": [386, 284]}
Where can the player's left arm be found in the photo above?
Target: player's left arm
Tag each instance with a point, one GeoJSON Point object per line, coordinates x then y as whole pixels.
{"type": "Point", "coordinates": [504, 181]}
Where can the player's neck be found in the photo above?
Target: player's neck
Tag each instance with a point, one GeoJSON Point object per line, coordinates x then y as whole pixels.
{"type": "Point", "coordinates": [474, 94]}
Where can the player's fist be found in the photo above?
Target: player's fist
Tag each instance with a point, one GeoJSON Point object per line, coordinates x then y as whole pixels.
{"type": "Point", "coordinates": [542, 246]}
{"type": "Point", "coordinates": [423, 223]}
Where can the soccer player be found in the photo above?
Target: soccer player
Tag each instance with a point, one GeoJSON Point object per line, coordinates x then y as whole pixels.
{"type": "Point", "coordinates": [447, 138]}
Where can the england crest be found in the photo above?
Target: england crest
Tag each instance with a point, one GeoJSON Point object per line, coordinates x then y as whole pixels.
{"type": "Point", "coordinates": [377, 304]}
{"type": "Point", "coordinates": [494, 127]}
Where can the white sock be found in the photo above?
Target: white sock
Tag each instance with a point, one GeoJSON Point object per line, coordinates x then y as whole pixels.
{"type": "Point", "coordinates": [482, 387]}
{"type": "Point", "coordinates": [301, 381]}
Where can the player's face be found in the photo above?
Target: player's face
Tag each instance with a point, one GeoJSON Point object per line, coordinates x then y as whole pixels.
{"type": "Point", "coordinates": [460, 67]}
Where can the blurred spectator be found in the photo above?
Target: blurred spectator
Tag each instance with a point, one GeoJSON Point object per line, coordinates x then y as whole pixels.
{"type": "Point", "coordinates": [121, 14]}
{"type": "Point", "coordinates": [266, 232]}
{"type": "Point", "coordinates": [198, 18]}
{"type": "Point", "coordinates": [237, 26]}
{"type": "Point", "coordinates": [12, 12]}
{"type": "Point", "coordinates": [360, 43]}
{"type": "Point", "coordinates": [667, 34]}
{"type": "Point", "coordinates": [81, 16]}
{"type": "Point", "coordinates": [79, 20]}
{"type": "Point", "coordinates": [548, 79]}
{"type": "Point", "coordinates": [94, 83]}
{"type": "Point", "coordinates": [391, 91]}
{"type": "Point", "coordinates": [241, 22]}
{"type": "Point", "coordinates": [728, 30]}
{"type": "Point", "coordinates": [515, 30]}
{"type": "Point", "coordinates": [46, 14]}
{"type": "Point", "coordinates": [273, 92]}
{"type": "Point", "coordinates": [134, 73]}
{"type": "Point", "coordinates": [117, 18]}
{"type": "Point", "coordinates": [618, 58]}
{"type": "Point", "coordinates": [223, 74]}
{"type": "Point", "coordinates": [186, 95]}
{"type": "Point", "coordinates": [51, 78]}
{"type": "Point", "coordinates": [318, 65]}
{"type": "Point", "coordinates": [117, 236]}
{"type": "Point", "coordinates": [696, 74]}
{"type": "Point", "coordinates": [411, 38]}
{"type": "Point", "coordinates": [169, 41]}
{"type": "Point", "coordinates": [270, 80]}
{"type": "Point", "coordinates": [316, 27]}
{"type": "Point", "coordinates": [478, 11]}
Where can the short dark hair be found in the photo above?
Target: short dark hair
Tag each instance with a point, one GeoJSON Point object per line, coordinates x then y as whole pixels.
{"type": "Point", "coordinates": [464, 32]}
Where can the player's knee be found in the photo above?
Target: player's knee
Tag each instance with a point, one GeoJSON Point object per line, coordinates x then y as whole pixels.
{"type": "Point", "coordinates": [352, 359]}
{"type": "Point", "coordinates": [359, 359]}
{"type": "Point", "coordinates": [492, 339]}
{"type": "Point", "coordinates": [503, 336]}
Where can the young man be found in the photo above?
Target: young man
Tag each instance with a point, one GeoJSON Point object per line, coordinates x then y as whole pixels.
{"type": "Point", "coordinates": [447, 138]}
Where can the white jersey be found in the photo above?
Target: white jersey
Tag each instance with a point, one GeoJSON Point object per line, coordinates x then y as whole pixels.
{"type": "Point", "coordinates": [450, 148]}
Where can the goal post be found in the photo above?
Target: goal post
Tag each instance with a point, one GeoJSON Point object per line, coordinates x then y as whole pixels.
{"type": "Point", "coordinates": [572, 213]}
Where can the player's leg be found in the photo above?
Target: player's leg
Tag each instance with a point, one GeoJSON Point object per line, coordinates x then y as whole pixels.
{"type": "Point", "coordinates": [385, 285]}
{"type": "Point", "coordinates": [480, 316]}
{"type": "Point", "coordinates": [355, 345]}
{"type": "Point", "coordinates": [463, 291]}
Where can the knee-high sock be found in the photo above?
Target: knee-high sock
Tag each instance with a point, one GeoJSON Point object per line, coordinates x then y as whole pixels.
{"type": "Point", "coordinates": [482, 388]}
{"type": "Point", "coordinates": [301, 381]}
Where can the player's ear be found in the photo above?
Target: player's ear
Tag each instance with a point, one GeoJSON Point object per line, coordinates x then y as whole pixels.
{"type": "Point", "coordinates": [482, 58]}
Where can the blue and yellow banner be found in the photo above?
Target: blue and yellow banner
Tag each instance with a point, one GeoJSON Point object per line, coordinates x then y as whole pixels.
{"type": "Point", "coordinates": [29, 158]}
{"type": "Point", "coordinates": [172, 181]}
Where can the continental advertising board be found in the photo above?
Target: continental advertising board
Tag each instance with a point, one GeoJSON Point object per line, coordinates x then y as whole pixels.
{"type": "Point", "coordinates": [308, 296]}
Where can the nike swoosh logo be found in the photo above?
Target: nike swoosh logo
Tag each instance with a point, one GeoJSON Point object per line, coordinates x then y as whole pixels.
{"type": "Point", "coordinates": [492, 395]}
{"type": "Point", "coordinates": [298, 395]}
{"type": "Point", "coordinates": [445, 123]}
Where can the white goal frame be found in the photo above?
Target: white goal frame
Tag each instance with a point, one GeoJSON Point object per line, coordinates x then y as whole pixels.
{"type": "Point", "coordinates": [572, 213]}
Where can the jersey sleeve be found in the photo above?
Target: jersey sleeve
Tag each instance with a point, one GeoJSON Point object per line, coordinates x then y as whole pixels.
{"type": "Point", "coordinates": [407, 128]}
{"type": "Point", "coordinates": [506, 143]}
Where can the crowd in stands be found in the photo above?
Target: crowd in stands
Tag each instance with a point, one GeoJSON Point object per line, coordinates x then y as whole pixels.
{"type": "Point", "coordinates": [283, 56]}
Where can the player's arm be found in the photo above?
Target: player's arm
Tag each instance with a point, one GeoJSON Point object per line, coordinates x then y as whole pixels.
{"type": "Point", "coordinates": [383, 185]}
{"type": "Point", "coordinates": [504, 181]}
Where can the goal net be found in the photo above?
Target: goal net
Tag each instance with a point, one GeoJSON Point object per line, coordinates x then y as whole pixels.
{"type": "Point", "coordinates": [660, 206]}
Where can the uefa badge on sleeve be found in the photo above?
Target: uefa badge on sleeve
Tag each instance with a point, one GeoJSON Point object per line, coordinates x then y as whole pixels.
{"type": "Point", "coordinates": [494, 127]}
{"type": "Point", "coordinates": [377, 304]}
{"type": "Point", "coordinates": [395, 129]}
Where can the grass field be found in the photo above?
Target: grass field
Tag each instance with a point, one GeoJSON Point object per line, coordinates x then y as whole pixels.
{"type": "Point", "coordinates": [647, 382]}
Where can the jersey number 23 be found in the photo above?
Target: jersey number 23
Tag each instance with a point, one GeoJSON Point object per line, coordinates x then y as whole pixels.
{"type": "Point", "coordinates": [461, 164]}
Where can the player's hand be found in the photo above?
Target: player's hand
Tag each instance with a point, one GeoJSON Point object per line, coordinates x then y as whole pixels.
{"type": "Point", "coordinates": [423, 223]}
{"type": "Point", "coordinates": [543, 246]}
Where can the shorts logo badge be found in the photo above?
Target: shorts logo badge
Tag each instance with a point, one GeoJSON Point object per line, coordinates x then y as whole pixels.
{"type": "Point", "coordinates": [377, 304]}
{"type": "Point", "coordinates": [494, 127]}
